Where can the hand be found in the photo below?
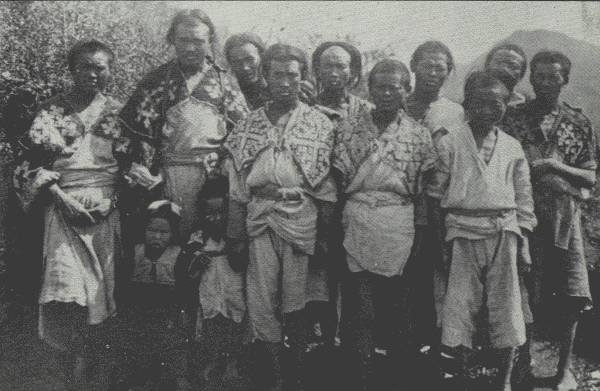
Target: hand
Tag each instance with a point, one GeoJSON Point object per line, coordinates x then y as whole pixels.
{"type": "Point", "coordinates": [237, 254]}
{"type": "Point", "coordinates": [140, 175]}
{"type": "Point", "coordinates": [44, 177]}
{"type": "Point", "coordinates": [102, 208]}
{"type": "Point", "coordinates": [211, 162]}
{"type": "Point", "coordinates": [545, 164]}
{"type": "Point", "coordinates": [523, 256]}
{"type": "Point", "coordinates": [71, 207]}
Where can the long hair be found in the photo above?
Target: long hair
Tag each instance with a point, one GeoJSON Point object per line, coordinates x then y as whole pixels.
{"type": "Point", "coordinates": [196, 17]}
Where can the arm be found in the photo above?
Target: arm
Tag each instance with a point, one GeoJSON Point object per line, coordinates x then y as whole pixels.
{"type": "Point", "coordinates": [578, 176]}
{"type": "Point", "coordinates": [236, 233]}
{"type": "Point", "coordinates": [435, 190]}
{"type": "Point", "coordinates": [525, 212]}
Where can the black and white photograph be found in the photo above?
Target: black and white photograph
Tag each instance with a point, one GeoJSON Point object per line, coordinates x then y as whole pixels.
{"type": "Point", "coordinates": [299, 196]}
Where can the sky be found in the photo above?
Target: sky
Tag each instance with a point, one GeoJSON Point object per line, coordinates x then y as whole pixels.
{"type": "Point", "coordinates": [468, 28]}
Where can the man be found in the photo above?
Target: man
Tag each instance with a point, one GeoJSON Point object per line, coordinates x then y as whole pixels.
{"type": "Point", "coordinates": [282, 192]}
{"type": "Point", "coordinates": [243, 52]}
{"type": "Point", "coordinates": [179, 115]}
{"type": "Point", "coordinates": [508, 63]}
{"type": "Point", "coordinates": [482, 184]}
{"type": "Point", "coordinates": [432, 63]}
{"type": "Point", "coordinates": [338, 68]}
{"type": "Point", "coordinates": [560, 146]}
{"type": "Point", "coordinates": [380, 160]}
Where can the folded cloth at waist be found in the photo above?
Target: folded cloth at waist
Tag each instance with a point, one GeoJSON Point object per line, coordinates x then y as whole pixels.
{"type": "Point", "coordinates": [105, 177]}
{"type": "Point", "coordinates": [480, 212]}
{"type": "Point", "coordinates": [377, 199]}
{"type": "Point", "coordinates": [192, 158]}
{"type": "Point", "coordinates": [275, 193]}
{"type": "Point", "coordinates": [480, 224]}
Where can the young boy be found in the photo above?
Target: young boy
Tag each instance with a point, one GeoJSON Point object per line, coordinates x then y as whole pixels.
{"type": "Point", "coordinates": [155, 342]}
{"type": "Point", "coordinates": [217, 291]}
{"type": "Point", "coordinates": [482, 184]}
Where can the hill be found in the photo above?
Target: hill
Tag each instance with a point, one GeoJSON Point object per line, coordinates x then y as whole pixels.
{"type": "Point", "coordinates": [583, 89]}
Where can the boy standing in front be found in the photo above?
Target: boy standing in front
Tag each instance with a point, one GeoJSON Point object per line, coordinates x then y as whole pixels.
{"type": "Point", "coordinates": [483, 187]}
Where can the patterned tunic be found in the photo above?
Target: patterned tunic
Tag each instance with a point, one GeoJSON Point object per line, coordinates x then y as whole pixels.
{"type": "Point", "coordinates": [564, 134]}
{"type": "Point", "coordinates": [79, 260]}
{"type": "Point", "coordinates": [176, 124]}
{"type": "Point", "coordinates": [382, 176]}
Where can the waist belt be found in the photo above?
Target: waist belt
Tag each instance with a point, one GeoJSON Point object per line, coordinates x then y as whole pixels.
{"type": "Point", "coordinates": [376, 199]}
{"type": "Point", "coordinates": [191, 158]}
{"type": "Point", "coordinates": [276, 193]}
{"type": "Point", "coordinates": [481, 212]}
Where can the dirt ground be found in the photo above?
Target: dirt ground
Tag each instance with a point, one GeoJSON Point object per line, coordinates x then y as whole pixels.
{"type": "Point", "coordinates": [28, 365]}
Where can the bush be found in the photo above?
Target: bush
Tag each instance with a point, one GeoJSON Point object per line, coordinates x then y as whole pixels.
{"type": "Point", "coordinates": [38, 35]}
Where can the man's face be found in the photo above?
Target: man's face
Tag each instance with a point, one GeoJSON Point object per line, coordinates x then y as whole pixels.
{"type": "Point", "coordinates": [92, 72]}
{"type": "Point", "coordinates": [245, 63]}
{"type": "Point", "coordinates": [388, 91]}
{"type": "Point", "coordinates": [158, 233]}
{"type": "Point", "coordinates": [547, 80]}
{"type": "Point", "coordinates": [191, 44]}
{"type": "Point", "coordinates": [334, 70]}
{"type": "Point", "coordinates": [284, 81]}
{"type": "Point", "coordinates": [487, 106]}
{"type": "Point", "coordinates": [507, 66]}
{"type": "Point", "coordinates": [431, 72]}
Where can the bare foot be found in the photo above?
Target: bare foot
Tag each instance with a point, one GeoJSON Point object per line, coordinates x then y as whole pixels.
{"type": "Point", "coordinates": [567, 383]}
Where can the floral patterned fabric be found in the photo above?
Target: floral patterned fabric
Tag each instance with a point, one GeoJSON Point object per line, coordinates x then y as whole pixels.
{"type": "Point", "coordinates": [57, 135]}
{"type": "Point", "coordinates": [146, 111]}
{"type": "Point", "coordinates": [565, 134]}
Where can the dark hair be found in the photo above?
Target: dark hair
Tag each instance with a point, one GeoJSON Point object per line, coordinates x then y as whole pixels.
{"type": "Point", "coordinates": [482, 80]}
{"type": "Point", "coordinates": [432, 47]}
{"type": "Point", "coordinates": [552, 57]}
{"type": "Point", "coordinates": [238, 40]}
{"type": "Point", "coordinates": [283, 52]}
{"type": "Point", "coordinates": [191, 17]}
{"type": "Point", "coordinates": [91, 46]}
{"type": "Point", "coordinates": [390, 65]}
{"type": "Point", "coordinates": [164, 212]}
{"type": "Point", "coordinates": [355, 60]}
{"type": "Point", "coordinates": [509, 47]}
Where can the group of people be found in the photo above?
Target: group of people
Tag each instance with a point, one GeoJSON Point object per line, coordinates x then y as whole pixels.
{"type": "Point", "coordinates": [279, 209]}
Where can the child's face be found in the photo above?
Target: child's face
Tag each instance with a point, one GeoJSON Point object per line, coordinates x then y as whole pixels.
{"type": "Point", "coordinates": [487, 106]}
{"type": "Point", "coordinates": [215, 208]}
{"type": "Point", "coordinates": [158, 233]}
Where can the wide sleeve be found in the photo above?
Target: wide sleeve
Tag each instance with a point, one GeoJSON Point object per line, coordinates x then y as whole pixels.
{"type": "Point", "coordinates": [586, 159]}
{"type": "Point", "coordinates": [439, 179]}
{"type": "Point", "coordinates": [239, 196]}
{"type": "Point", "coordinates": [234, 103]}
{"type": "Point", "coordinates": [141, 121]}
{"type": "Point", "coordinates": [523, 194]}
